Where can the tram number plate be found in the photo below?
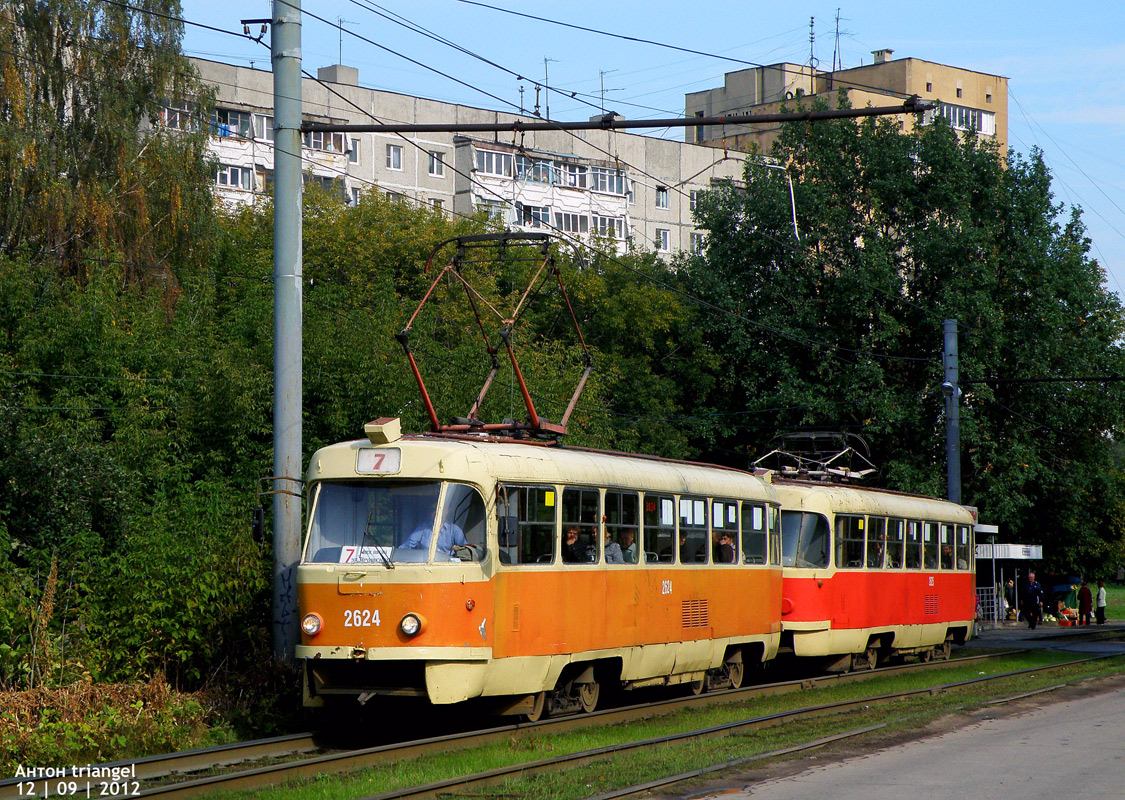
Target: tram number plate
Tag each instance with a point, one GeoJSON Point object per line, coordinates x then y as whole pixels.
{"type": "Point", "coordinates": [666, 587]}
{"type": "Point", "coordinates": [361, 617]}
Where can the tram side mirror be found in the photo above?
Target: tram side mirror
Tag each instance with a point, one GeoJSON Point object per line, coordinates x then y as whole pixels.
{"type": "Point", "coordinates": [257, 523]}
{"type": "Point", "coordinates": [509, 531]}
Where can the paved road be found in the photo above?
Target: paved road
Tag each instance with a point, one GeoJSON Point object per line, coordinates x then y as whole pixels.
{"type": "Point", "coordinates": [1070, 749]}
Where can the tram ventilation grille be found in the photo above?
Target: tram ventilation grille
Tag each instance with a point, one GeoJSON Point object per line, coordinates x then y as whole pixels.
{"type": "Point", "coordinates": [931, 604]}
{"type": "Point", "coordinates": [694, 613]}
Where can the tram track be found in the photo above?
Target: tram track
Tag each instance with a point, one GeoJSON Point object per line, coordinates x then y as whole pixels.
{"type": "Point", "coordinates": [177, 764]}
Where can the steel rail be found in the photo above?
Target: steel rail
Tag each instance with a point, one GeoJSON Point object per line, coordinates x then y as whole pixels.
{"type": "Point", "coordinates": [480, 780]}
{"type": "Point", "coordinates": [224, 755]}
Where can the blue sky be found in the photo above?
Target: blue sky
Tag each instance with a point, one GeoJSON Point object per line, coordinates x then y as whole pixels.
{"type": "Point", "coordinates": [1062, 61]}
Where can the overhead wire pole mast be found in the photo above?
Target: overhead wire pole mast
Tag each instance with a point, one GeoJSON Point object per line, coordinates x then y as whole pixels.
{"type": "Point", "coordinates": [287, 321]}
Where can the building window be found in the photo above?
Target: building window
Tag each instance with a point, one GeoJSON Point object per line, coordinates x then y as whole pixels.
{"type": "Point", "coordinates": [697, 241]}
{"type": "Point", "coordinates": [396, 197]}
{"type": "Point", "coordinates": [323, 140]}
{"type": "Point", "coordinates": [693, 199]}
{"type": "Point", "coordinates": [610, 181]}
{"type": "Point", "coordinates": [632, 192]}
{"type": "Point", "coordinates": [929, 86]}
{"type": "Point", "coordinates": [612, 227]}
{"type": "Point", "coordinates": [263, 127]}
{"type": "Point", "coordinates": [234, 177]}
{"type": "Point", "coordinates": [437, 163]}
{"type": "Point", "coordinates": [353, 151]}
{"type": "Point", "coordinates": [533, 170]}
{"type": "Point", "coordinates": [493, 163]}
{"type": "Point", "coordinates": [225, 122]}
{"type": "Point", "coordinates": [572, 223]}
{"type": "Point", "coordinates": [699, 129]}
{"type": "Point", "coordinates": [661, 197]}
{"type": "Point", "coordinates": [533, 216]}
{"type": "Point", "coordinates": [438, 204]}
{"type": "Point", "coordinates": [963, 118]}
{"type": "Point", "coordinates": [394, 157]}
{"type": "Point", "coordinates": [572, 175]}
{"type": "Point", "coordinates": [663, 239]}
{"type": "Point", "coordinates": [495, 208]}
{"type": "Point", "coordinates": [354, 201]}
{"type": "Point", "coordinates": [179, 116]}
{"type": "Point", "coordinates": [958, 91]}
{"type": "Point", "coordinates": [988, 97]}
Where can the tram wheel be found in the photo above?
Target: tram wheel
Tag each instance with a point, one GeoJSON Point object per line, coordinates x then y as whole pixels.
{"type": "Point", "coordinates": [588, 694]}
{"type": "Point", "coordinates": [869, 659]}
{"type": "Point", "coordinates": [699, 687]}
{"type": "Point", "coordinates": [926, 655]}
{"type": "Point", "coordinates": [945, 651]}
{"type": "Point", "coordinates": [736, 671]}
{"type": "Point", "coordinates": [538, 710]}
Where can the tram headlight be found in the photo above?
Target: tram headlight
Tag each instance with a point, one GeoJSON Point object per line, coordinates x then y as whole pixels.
{"type": "Point", "coordinates": [412, 624]}
{"type": "Point", "coordinates": [311, 624]}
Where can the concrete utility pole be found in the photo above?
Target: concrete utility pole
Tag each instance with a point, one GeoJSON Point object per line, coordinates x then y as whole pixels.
{"type": "Point", "coordinates": [952, 415]}
{"type": "Point", "coordinates": [287, 290]}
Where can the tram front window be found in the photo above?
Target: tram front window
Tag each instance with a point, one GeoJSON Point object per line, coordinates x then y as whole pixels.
{"type": "Point", "coordinates": [388, 523]}
{"type": "Point", "coordinates": [804, 539]}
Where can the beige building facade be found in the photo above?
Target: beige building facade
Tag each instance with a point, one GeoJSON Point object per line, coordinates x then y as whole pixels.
{"type": "Point", "coordinates": [970, 101]}
{"type": "Point", "coordinates": [636, 190]}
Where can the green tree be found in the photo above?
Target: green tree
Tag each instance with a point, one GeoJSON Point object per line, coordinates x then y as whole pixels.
{"type": "Point", "coordinates": [86, 173]}
{"type": "Point", "coordinates": [841, 328]}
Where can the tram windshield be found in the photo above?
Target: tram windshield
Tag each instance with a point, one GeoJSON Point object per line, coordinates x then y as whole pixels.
{"type": "Point", "coordinates": [804, 539]}
{"type": "Point", "coordinates": [367, 522]}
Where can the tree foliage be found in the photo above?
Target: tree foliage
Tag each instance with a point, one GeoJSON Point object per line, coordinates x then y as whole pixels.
{"type": "Point", "coordinates": [79, 83]}
{"type": "Point", "coordinates": [841, 328]}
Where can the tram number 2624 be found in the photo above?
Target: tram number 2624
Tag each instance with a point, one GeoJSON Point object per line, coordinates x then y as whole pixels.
{"type": "Point", "coordinates": [361, 617]}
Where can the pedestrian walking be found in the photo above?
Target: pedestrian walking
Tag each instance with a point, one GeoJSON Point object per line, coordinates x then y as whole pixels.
{"type": "Point", "coordinates": [1085, 604]}
{"type": "Point", "coordinates": [1033, 601]}
{"type": "Point", "coordinates": [1099, 606]}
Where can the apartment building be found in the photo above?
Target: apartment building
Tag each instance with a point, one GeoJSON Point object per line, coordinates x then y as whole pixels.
{"type": "Point", "coordinates": [970, 101]}
{"type": "Point", "coordinates": [583, 183]}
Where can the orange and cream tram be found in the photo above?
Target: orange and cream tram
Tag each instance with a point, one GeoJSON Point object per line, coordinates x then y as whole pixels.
{"type": "Point", "coordinates": [452, 567]}
{"type": "Point", "coordinates": [870, 574]}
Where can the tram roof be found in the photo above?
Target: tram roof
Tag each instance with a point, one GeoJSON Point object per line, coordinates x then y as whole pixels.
{"type": "Point", "coordinates": [463, 458]}
{"type": "Point", "coordinates": [846, 499]}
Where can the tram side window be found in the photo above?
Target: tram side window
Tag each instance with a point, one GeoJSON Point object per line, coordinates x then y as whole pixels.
{"type": "Point", "coordinates": [849, 542]}
{"type": "Point", "coordinates": [964, 547]}
{"type": "Point", "coordinates": [912, 558]}
{"type": "Point", "coordinates": [693, 530]}
{"type": "Point", "coordinates": [805, 539]}
{"type": "Point", "coordinates": [946, 553]}
{"type": "Point", "coordinates": [621, 528]}
{"type": "Point", "coordinates": [876, 542]}
{"type": "Point", "coordinates": [724, 532]}
{"type": "Point", "coordinates": [754, 533]}
{"type": "Point", "coordinates": [581, 509]}
{"type": "Point", "coordinates": [895, 533]}
{"type": "Point", "coordinates": [930, 544]}
{"type": "Point", "coordinates": [660, 528]}
{"type": "Point", "coordinates": [526, 524]}
{"type": "Point", "coordinates": [463, 510]}
{"type": "Point", "coordinates": [773, 515]}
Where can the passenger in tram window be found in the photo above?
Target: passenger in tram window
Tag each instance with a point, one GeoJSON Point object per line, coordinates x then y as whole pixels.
{"type": "Point", "coordinates": [628, 543]}
{"type": "Point", "coordinates": [946, 557]}
{"type": "Point", "coordinates": [573, 552]}
{"type": "Point", "coordinates": [613, 553]}
{"type": "Point", "coordinates": [726, 553]}
{"type": "Point", "coordinates": [669, 555]}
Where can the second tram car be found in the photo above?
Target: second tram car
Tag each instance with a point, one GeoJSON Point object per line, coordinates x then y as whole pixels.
{"type": "Point", "coordinates": [456, 567]}
{"type": "Point", "coordinates": [870, 574]}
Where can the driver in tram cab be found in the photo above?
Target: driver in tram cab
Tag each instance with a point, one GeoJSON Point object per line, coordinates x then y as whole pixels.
{"type": "Point", "coordinates": [449, 536]}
